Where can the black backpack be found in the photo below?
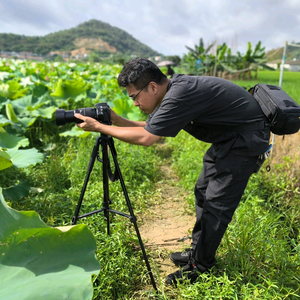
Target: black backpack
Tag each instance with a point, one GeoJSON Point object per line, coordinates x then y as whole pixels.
{"type": "Point", "coordinates": [281, 110]}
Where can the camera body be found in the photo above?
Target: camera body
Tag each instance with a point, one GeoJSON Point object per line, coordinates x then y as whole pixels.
{"type": "Point", "coordinates": [101, 113]}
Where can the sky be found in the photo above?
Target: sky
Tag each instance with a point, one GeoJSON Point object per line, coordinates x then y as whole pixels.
{"type": "Point", "coordinates": [165, 26]}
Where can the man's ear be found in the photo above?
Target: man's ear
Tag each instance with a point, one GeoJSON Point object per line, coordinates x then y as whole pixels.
{"type": "Point", "coordinates": [153, 86]}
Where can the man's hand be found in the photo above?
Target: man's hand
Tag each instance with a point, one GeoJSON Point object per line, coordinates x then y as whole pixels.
{"type": "Point", "coordinates": [88, 124]}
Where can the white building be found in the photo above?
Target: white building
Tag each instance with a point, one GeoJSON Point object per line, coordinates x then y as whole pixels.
{"type": "Point", "coordinates": [291, 65]}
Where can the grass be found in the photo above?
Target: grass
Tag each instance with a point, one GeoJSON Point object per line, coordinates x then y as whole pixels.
{"type": "Point", "coordinates": [290, 83]}
{"type": "Point", "coordinates": [259, 257]}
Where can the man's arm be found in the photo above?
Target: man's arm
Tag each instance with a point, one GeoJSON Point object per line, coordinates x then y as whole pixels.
{"type": "Point", "coordinates": [133, 135]}
{"type": "Point", "coordinates": [122, 122]}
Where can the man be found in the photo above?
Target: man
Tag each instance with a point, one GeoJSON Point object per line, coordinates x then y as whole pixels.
{"type": "Point", "coordinates": [170, 72]}
{"type": "Point", "coordinates": [213, 110]}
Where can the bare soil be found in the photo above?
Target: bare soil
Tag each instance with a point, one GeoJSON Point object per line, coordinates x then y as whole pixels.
{"type": "Point", "coordinates": [167, 226]}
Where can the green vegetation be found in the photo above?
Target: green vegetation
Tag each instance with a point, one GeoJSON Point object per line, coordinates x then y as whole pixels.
{"type": "Point", "coordinates": [201, 60]}
{"type": "Point", "coordinates": [259, 257]}
{"type": "Point", "coordinates": [64, 40]}
{"type": "Point", "coordinates": [290, 82]}
{"type": "Point", "coordinates": [291, 53]}
{"type": "Point", "coordinates": [34, 254]}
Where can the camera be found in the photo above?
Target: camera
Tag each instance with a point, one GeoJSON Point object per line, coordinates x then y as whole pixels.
{"type": "Point", "coordinates": [101, 113]}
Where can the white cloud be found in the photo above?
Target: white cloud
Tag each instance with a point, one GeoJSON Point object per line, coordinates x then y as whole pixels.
{"type": "Point", "coordinates": [294, 3]}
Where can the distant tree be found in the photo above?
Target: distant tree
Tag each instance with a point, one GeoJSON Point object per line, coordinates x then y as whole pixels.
{"type": "Point", "coordinates": [58, 58]}
{"type": "Point", "coordinates": [93, 57]}
{"type": "Point", "coordinates": [120, 60]}
{"type": "Point", "coordinates": [174, 58]}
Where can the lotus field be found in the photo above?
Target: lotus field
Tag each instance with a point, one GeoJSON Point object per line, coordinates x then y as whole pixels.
{"type": "Point", "coordinates": [30, 93]}
{"type": "Point", "coordinates": [42, 171]}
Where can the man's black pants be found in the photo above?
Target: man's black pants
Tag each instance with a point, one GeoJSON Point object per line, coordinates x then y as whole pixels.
{"type": "Point", "coordinates": [218, 192]}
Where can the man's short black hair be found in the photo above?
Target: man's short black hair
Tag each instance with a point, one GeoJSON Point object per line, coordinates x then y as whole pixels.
{"type": "Point", "coordinates": [139, 72]}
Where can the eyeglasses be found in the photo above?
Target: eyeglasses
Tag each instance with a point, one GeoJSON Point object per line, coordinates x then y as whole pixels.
{"type": "Point", "coordinates": [134, 97]}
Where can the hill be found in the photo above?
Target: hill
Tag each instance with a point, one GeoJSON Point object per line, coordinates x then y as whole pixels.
{"type": "Point", "coordinates": [291, 53]}
{"type": "Point", "coordinates": [93, 35]}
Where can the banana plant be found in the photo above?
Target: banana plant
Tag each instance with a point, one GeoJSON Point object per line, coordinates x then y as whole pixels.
{"type": "Point", "coordinates": [198, 60]}
{"type": "Point", "coordinates": [252, 57]}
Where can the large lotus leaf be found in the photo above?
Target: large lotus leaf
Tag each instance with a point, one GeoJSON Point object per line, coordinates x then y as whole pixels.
{"type": "Point", "coordinates": [17, 192]}
{"type": "Point", "coordinates": [25, 158]}
{"type": "Point", "coordinates": [4, 121]}
{"type": "Point", "coordinates": [27, 121]}
{"type": "Point", "coordinates": [75, 89]}
{"type": "Point", "coordinates": [40, 262]}
{"type": "Point", "coordinates": [135, 116]}
{"type": "Point", "coordinates": [10, 113]}
{"type": "Point", "coordinates": [122, 107]}
{"type": "Point", "coordinates": [5, 160]}
{"type": "Point", "coordinates": [45, 113]}
{"type": "Point", "coordinates": [12, 90]}
{"type": "Point", "coordinates": [75, 131]}
{"type": "Point", "coordinates": [25, 105]}
{"type": "Point", "coordinates": [12, 141]}
{"type": "Point", "coordinates": [126, 109]}
{"type": "Point", "coordinates": [39, 89]}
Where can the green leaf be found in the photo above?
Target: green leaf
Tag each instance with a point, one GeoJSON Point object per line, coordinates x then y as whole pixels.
{"type": "Point", "coordinates": [75, 131]}
{"type": "Point", "coordinates": [10, 113]}
{"type": "Point", "coordinates": [40, 262]}
{"type": "Point", "coordinates": [122, 107]}
{"type": "Point", "coordinates": [39, 89]}
{"type": "Point", "coordinates": [5, 160]}
{"type": "Point", "coordinates": [75, 89]}
{"type": "Point", "coordinates": [126, 109]}
{"type": "Point", "coordinates": [17, 192]}
{"type": "Point", "coordinates": [30, 103]}
{"type": "Point", "coordinates": [25, 158]}
{"type": "Point", "coordinates": [27, 121]}
{"type": "Point", "coordinates": [12, 90]}
{"type": "Point", "coordinates": [12, 141]}
{"type": "Point", "coordinates": [4, 121]}
{"type": "Point", "coordinates": [45, 113]}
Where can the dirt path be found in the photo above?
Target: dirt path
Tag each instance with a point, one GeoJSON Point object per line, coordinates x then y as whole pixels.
{"type": "Point", "coordinates": [167, 226]}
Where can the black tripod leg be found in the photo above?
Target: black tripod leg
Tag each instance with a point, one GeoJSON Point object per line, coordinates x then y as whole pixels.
{"type": "Point", "coordinates": [90, 168]}
{"type": "Point", "coordinates": [133, 218]}
{"type": "Point", "coordinates": [106, 201]}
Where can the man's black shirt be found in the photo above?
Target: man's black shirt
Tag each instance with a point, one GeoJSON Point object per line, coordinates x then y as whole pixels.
{"type": "Point", "coordinates": [194, 103]}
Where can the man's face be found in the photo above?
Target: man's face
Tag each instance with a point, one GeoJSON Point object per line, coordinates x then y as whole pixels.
{"type": "Point", "coordinates": [146, 98]}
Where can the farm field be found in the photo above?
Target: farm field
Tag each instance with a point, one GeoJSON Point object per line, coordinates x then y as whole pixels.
{"type": "Point", "coordinates": [259, 257]}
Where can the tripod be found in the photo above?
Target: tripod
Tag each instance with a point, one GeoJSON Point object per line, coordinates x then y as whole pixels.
{"type": "Point", "coordinates": [106, 143]}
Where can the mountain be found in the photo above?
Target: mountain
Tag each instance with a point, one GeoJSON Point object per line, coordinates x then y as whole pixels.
{"type": "Point", "coordinates": [94, 35]}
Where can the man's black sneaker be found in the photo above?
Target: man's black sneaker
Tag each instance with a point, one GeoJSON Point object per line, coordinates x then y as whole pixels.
{"type": "Point", "coordinates": [189, 272]}
{"type": "Point", "coordinates": [182, 258]}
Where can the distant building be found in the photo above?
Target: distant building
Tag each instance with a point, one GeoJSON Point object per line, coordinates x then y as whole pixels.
{"type": "Point", "coordinates": [80, 53]}
{"type": "Point", "coordinates": [291, 65]}
{"type": "Point", "coordinates": [64, 54]}
{"type": "Point", "coordinates": [26, 55]}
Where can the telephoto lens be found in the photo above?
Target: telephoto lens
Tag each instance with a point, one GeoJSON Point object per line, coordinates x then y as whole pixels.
{"type": "Point", "coordinates": [67, 116]}
{"type": "Point", "coordinates": [101, 113]}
